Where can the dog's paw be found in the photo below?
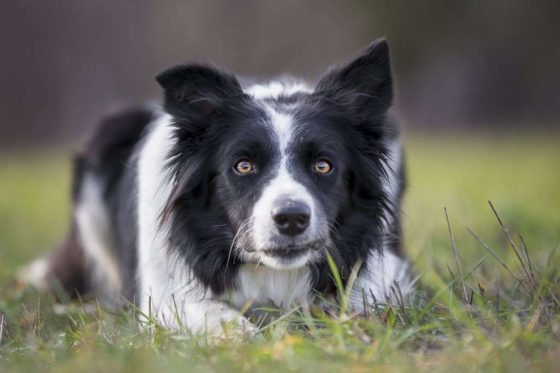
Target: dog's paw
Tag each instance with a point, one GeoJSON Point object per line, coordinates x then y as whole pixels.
{"type": "Point", "coordinates": [238, 330]}
{"type": "Point", "coordinates": [229, 325]}
{"type": "Point", "coordinates": [35, 275]}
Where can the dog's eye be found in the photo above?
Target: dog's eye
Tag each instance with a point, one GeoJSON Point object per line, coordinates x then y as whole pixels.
{"type": "Point", "coordinates": [244, 166]}
{"type": "Point", "coordinates": [323, 166]}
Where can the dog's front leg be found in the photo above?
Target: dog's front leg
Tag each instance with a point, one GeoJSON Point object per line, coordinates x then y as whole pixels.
{"type": "Point", "coordinates": [386, 276]}
{"type": "Point", "coordinates": [214, 318]}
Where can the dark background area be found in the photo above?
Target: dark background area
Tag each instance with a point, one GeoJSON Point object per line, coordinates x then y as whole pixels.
{"type": "Point", "coordinates": [459, 64]}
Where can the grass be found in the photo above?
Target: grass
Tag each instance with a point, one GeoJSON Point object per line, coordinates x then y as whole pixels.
{"type": "Point", "coordinates": [510, 320]}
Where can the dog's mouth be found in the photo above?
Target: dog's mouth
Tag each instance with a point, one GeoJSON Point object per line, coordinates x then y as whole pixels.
{"type": "Point", "coordinates": [287, 255]}
{"type": "Point", "coordinates": [293, 251]}
{"type": "Point", "coordinates": [290, 252]}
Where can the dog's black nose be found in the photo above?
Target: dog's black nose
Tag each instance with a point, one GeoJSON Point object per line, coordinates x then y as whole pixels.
{"type": "Point", "coordinates": [292, 218]}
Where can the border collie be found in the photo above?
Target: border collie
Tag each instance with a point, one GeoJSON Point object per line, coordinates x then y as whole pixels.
{"type": "Point", "coordinates": [229, 197]}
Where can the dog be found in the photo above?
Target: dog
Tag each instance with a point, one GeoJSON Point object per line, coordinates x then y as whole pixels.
{"type": "Point", "coordinates": [227, 198]}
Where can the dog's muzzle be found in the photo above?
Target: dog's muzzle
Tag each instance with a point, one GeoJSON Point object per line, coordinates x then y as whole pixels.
{"type": "Point", "coordinates": [291, 217]}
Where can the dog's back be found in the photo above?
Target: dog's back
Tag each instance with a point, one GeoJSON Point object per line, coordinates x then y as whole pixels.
{"type": "Point", "coordinates": [98, 255]}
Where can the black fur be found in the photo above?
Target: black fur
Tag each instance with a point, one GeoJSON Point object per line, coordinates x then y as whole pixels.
{"type": "Point", "coordinates": [216, 123]}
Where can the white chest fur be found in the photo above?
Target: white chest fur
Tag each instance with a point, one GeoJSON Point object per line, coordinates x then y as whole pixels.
{"type": "Point", "coordinates": [265, 286]}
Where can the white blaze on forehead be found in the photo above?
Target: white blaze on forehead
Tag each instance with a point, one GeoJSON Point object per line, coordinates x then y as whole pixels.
{"type": "Point", "coordinates": [276, 89]}
{"type": "Point", "coordinates": [283, 129]}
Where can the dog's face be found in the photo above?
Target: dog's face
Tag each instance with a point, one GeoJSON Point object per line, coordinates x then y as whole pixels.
{"type": "Point", "coordinates": [281, 183]}
{"type": "Point", "coordinates": [276, 179]}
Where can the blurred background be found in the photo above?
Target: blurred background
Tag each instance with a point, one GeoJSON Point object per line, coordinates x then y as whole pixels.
{"type": "Point", "coordinates": [478, 87]}
{"type": "Point", "coordinates": [459, 64]}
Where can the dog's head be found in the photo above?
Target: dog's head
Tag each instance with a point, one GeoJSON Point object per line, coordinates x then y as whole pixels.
{"type": "Point", "coordinates": [277, 176]}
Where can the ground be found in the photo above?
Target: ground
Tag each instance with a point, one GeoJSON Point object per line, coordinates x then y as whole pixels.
{"type": "Point", "coordinates": [509, 322]}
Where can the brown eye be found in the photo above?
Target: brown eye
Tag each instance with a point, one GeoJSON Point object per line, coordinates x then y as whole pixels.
{"type": "Point", "coordinates": [323, 166]}
{"type": "Point", "coordinates": [244, 166]}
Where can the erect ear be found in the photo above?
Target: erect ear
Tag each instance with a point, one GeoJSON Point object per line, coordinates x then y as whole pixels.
{"type": "Point", "coordinates": [195, 89]}
{"type": "Point", "coordinates": [365, 85]}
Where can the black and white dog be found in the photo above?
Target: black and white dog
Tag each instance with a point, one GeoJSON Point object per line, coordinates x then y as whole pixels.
{"type": "Point", "coordinates": [231, 196]}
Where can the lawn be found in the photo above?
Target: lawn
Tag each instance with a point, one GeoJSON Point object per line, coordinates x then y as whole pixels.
{"type": "Point", "coordinates": [509, 322]}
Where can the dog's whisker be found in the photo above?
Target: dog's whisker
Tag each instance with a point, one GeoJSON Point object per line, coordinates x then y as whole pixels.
{"type": "Point", "coordinates": [243, 225]}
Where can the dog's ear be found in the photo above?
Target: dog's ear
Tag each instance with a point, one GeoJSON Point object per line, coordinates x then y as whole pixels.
{"type": "Point", "coordinates": [195, 89]}
{"type": "Point", "coordinates": [364, 86]}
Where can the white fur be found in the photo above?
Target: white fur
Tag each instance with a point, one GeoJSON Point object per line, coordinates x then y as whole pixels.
{"type": "Point", "coordinates": [393, 166]}
{"type": "Point", "coordinates": [96, 238]}
{"type": "Point", "coordinates": [36, 274]}
{"type": "Point", "coordinates": [268, 287]}
{"type": "Point", "coordinates": [167, 289]}
{"type": "Point", "coordinates": [275, 89]}
{"type": "Point", "coordinates": [283, 128]}
{"type": "Point", "coordinates": [382, 273]}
